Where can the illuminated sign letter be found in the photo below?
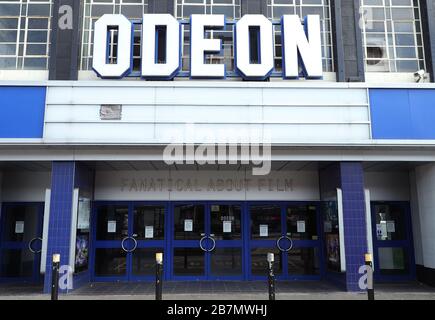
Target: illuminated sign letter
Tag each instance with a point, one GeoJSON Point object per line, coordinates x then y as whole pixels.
{"type": "Point", "coordinates": [199, 46]}
{"type": "Point", "coordinates": [303, 46]}
{"type": "Point", "coordinates": [254, 28]}
{"type": "Point", "coordinates": [160, 60]}
{"type": "Point", "coordinates": [108, 29]}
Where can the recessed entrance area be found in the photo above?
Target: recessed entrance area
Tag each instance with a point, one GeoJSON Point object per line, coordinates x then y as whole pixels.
{"type": "Point", "coordinates": [211, 223]}
{"type": "Point", "coordinates": [170, 209]}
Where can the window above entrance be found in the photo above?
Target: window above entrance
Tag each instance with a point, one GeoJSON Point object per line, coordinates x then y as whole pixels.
{"type": "Point", "coordinates": [392, 35]}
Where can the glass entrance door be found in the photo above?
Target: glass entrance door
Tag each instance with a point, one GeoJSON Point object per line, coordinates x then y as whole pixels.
{"type": "Point", "coordinates": [392, 241]}
{"type": "Point", "coordinates": [207, 241]}
{"type": "Point", "coordinates": [290, 231]}
{"type": "Point", "coordinates": [226, 228]}
{"type": "Point", "coordinates": [189, 241]}
{"type": "Point", "coordinates": [21, 242]}
{"type": "Point", "coordinates": [127, 237]}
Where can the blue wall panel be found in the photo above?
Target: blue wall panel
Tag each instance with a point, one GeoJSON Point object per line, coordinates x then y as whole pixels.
{"type": "Point", "coordinates": [22, 112]}
{"type": "Point", "coordinates": [354, 221]}
{"type": "Point", "coordinates": [59, 229]}
{"type": "Point", "coordinates": [349, 176]}
{"type": "Point", "coordinates": [403, 114]}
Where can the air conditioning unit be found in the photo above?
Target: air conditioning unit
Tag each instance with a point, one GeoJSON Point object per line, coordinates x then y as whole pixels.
{"type": "Point", "coordinates": [377, 57]}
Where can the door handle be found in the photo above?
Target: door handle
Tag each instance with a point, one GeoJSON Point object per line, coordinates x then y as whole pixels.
{"type": "Point", "coordinates": [200, 244]}
{"type": "Point", "coordinates": [279, 246]}
{"type": "Point", "coordinates": [214, 243]}
{"type": "Point", "coordinates": [31, 244]}
{"type": "Point", "coordinates": [128, 238]}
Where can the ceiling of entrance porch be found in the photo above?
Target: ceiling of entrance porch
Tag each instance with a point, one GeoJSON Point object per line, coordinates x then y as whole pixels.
{"type": "Point", "coordinates": [390, 166]}
{"type": "Point", "coordinates": [276, 166]}
{"type": "Point", "coordinates": [29, 166]}
{"type": "Point", "coordinates": [38, 166]}
{"type": "Point", "coordinates": [158, 165]}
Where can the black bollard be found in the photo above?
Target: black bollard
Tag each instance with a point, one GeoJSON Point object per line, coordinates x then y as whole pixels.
{"type": "Point", "coordinates": [370, 287]}
{"type": "Point", "coordinates": [159, 269]}
{"type": "Point", "coordinates": [271, 276]}
{"type": "Point", "coordinates": [55, 277]}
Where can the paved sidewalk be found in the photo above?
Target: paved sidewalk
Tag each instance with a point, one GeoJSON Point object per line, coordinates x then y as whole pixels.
{"type": "Point", "coordinates": [222, 291]}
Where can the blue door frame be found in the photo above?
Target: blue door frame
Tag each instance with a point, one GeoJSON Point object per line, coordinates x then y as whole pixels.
{"type": "Point", "coordinates": [169, 243]}
{"type": "Point", "coordinates": [272, 244]}
{"type": "Point", "coordinates": [159, 245]}
{"type": "Point", "coordinates": [407, 244]}
{"type": "Point", "coordinates": [36, 276]}
{"type": "Point", "coordinates": [208, 233]}
{"type": "Point", "coordinates": [115, 244]}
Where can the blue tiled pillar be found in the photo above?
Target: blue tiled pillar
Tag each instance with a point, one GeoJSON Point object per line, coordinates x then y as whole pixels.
{"type": "Point", "coordinates": [65, 177]}
{"type": "Point", "coordinates": [62, 187]}
{"type": "Point", "coordinates": [349, 177]}
{"type": "Point", "coordinates": [354, 220]}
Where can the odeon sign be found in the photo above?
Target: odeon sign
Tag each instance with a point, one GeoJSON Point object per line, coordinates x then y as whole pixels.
{"type": "Point", "coordinates": [301, 45]}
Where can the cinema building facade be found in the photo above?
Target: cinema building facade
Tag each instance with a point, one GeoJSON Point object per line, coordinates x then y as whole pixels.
{"type": "Point", "coordinates": [352, 150]}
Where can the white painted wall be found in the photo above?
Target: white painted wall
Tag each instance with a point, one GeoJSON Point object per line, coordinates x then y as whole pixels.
{"type": "Point", "coordinates": [157, 112]}
{"type": "Point", "coordinates": [425, 181]}
{"type": "Point", "coordinates": [205, 185]}
{"type": "Point", "coordinates": [388, 186]}
{"type": "Point", "coordinates": [24, 186]}
{"type": "Point", "coordinates": [32, 75]}
{"type": "Point", "coordinates": [327, 77]}
{"type": "Point", "coordinates": [393, 77]}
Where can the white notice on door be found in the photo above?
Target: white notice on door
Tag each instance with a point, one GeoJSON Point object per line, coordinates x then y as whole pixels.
{"type": "Point", "coordinates": [391, 226]}
{"type": "Point", "coordinates": [19, 227]}
{"type": "Point", "coordinates": [264, 230]}
{"type": "Point", "coordinates": [149, 232]}
{"type": "Point", "coordinates": [188, 225]}
{"type": "Point", "coordinates": [301, 226]}
{"type": "Point", "coordinates": [227, 226]}
{"type": "Point", "coordinates": [381, 231]}
{"type": "Point", "coordinates": [111, 226]}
